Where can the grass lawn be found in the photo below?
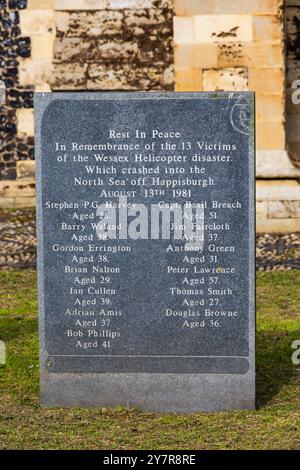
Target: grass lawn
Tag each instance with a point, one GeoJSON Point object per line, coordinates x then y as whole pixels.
{"type": "Point", "coordinates": [275, 424]}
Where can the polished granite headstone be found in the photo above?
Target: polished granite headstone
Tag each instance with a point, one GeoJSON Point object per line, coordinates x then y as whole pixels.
{"type": "Point", "coordinates": [131, 314]}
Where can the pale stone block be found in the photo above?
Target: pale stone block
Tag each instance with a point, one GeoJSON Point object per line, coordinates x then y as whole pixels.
{"type": "Point", "coordinates": [269, 107]}
{"type": "Point", "coordinates": [277, 225]}
{"type": "Point", "coordinates": [225, 80]}
{"type": "Point", "coordinates": [277, 190]}
{"type": "Point", "coordinates": [266, 80]}
{"type": "Point", "coordinates": [188, 80]}
{"type": "Point", "coordinates": [25, 168]}
{"type": "Point", "coordinates": [270, 135]}
{"type": "Point", "coordinates": [35, 72]}
{"type": "Point", "coordinates": [80, 4]}
{"type": "Point", "coordinates": [264, 54]}
{"type": "Point", "coordinates": [293, 128]}
{"type": "Point", "coordinates": [129, 4]}
{"type": "Point", "coordinates": [261, 209]}
{"type": "Point", "coordinates": [24, 187]}
{"type": "Point", "coordinates": [275, 164]}
{"type": "Point", "coordinates": [194, 7]}
{"type": "Point", "coordinates": [188, 56]}
{"type": "Point", "coordinates": [37, 21]}
{"type": "Point", "coordinates": [183, 29]}
{"type": "Point", "coordinates": [251, 54]}
{"type": "Point", "coordinates": [283, 209]}
{"type": "Point", "coordinates": [62, 21]}
{"type": "Point", "coordinates": [42, 46]}
{"type": "Point", "coordinates": [267, 28]}
{"type": "Point", "coordinates": [40, 4]}
{"type": "Point", "coordinates": [6, 202]}
{"type": "Point", "coordinates": [43, 88]}
{"type": "Point", "coordinates": [211, 7]}
{"type": "Point", "coordinates": [25, 121]}
{"type": "Point", "coordinates": [223, 28]}
{"type": "Point", "coordinates": [24, 202]}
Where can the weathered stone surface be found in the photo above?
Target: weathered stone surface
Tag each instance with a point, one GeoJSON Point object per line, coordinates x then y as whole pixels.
{"type": "Point", "coordinates": [126, 77]}
{"type": "Point", "coordinates": [261, 210]}
{"type": "Point", "coordinates": [277, 225]}
{"type": "Point", "coordinates": [80, 4]}
{"type": "Point", "coordinates": [18, 188]}
{"type": "Point", "coordinates": [35, 72]}
{"type": "Point", "coordinates": [25, 168]}
{"type": "Point", "coordinates": [42, 46]}
{"type": "Point", "coordinates": [267, 28]}
{"type": "Point", "coordinates": [40, 4]}
{"type": "Point", "coordinates": [72, 49]}
{"type": "Point", "coordinates": [251, 54]}
{"type": "Point", "coordinates": [114, 50]}
{"type": "Point", "coordinates": [275, 164]}
{"type": "Point", "coordinates": [146, 18]}
{"type": "Point", "coordinates": [223, 28]}
{"type": "Point", "coordinates": [98, 23]}
{"type": "Point", "coordinates": [283, 209]}
{"type": "Point", "coordinates": [277, 190]}
{"type": "Point", "coordinates": [37, 21]}
{"type": "Point", "coordinates": [202, 56]}
{"type": "Point", "coordinates": [43, 87]}
{"type": "Point", "coordinates": [225, 79]}
{"type": "Point", "coordinates": [69, 76]}
{"type": "Point", "coordinates": [6, 202]}
{"type": "Point", "coordinates": [25, 121]}
{"type": "Point", "coordinates": [17, 202]}
{"type": "Point", "coordinates": [130, 4]}
{"type": "Point", "coordinates": [184, 29]}
{"type": "Point", "coordinates": [270, 107]}
{"type": "Point", "coordinates": [188, 80]}
{"type": "Point", "coordinates": [264, 80]}
{"type": "Point", "coordinates": [270, 135]}
{"type": "Point", "coordinates": [23, 202]}
{"type": "Point", "coordinates": [246, 7]}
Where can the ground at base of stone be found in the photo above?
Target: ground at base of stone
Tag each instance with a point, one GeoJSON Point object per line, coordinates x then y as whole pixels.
{"type": "Point", "coordinates": [24, 424]}
{"type": "Point", "coordinates": [274, 252]}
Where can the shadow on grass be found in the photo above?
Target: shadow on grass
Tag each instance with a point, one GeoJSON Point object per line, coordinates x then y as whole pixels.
{"type": "Point", "coordinates": [14, 327]}
{"type": "Point", "coordinates": [274, 367]}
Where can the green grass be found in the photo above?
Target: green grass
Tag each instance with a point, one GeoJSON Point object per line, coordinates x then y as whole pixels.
{"type": "Point", "coordinates": [274, 425]}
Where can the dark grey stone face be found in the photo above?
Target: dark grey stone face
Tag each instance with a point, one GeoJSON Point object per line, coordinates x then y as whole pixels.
{"type": "Point", "coordinates": [146, 251]}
